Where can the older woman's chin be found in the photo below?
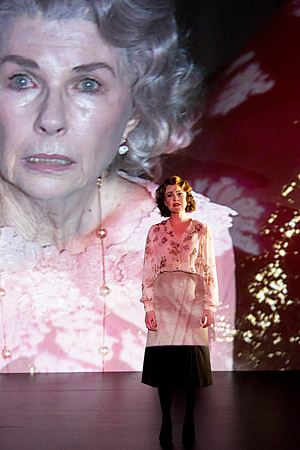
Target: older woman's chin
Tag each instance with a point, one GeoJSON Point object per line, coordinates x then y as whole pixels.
{"type": "Point", "coordinates": [50, 186]}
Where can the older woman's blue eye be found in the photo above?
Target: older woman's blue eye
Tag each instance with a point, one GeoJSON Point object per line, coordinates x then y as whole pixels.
{"type": "Point", "coordinates": [21, 81]}
{"type": "Point", "coordinates": [89, 85]}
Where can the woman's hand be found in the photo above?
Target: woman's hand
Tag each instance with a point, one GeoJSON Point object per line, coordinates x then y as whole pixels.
{"type": "Point", "coordinates": [207, 318]}
{"type": "Point", "coordinates": [150, 321]}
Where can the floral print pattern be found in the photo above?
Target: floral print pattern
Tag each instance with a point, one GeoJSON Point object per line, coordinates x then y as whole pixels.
{"type": "Point", "coordinates": [192, 253]}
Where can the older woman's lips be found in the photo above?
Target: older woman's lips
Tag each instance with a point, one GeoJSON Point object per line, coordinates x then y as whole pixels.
{"type": "Point", "coordinates": [48, 163]}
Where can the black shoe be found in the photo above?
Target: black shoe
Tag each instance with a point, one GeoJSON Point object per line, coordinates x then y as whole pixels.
{"type": "Point", "coordinates": [188, 433]}
{"type": "Point", "coordinates": [165, 435]}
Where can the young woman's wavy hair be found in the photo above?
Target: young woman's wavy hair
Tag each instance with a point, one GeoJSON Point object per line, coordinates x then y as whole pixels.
{"type": "Point", "coordinates": [161, 193]}
{"type": "Point", "coordinates": [165, 84]}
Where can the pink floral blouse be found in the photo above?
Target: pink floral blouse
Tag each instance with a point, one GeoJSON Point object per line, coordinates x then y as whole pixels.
{"type": "Point", "coordinates": [192, 253]}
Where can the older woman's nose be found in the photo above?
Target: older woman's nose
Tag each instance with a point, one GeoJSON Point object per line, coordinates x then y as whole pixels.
{"type": "Point", "coordinates": [51, 118]}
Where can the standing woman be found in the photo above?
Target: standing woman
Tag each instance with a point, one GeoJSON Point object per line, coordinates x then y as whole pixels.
{"type": "Point", "coordinates": [180, 293]}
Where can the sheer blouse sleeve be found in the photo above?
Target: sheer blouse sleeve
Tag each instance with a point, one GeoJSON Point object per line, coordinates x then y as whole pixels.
{"type": "Point", "coordinates": [149, 271]}
{"type": "Point", "coordinates": [208, 271]}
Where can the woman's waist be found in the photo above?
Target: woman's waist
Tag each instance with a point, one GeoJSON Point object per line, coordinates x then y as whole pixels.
{"type": "Point", "coordinates": [178, 272]}
{"type": "Point", "coordinates": [178, 280]}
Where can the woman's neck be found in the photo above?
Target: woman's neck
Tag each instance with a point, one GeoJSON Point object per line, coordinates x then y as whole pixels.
{"type": "Point", "coordinates": [68, 223]}
{"type": "Point", "coordinates": [53, 221]}
{"type": "Point", "coordinates": [179, 218]}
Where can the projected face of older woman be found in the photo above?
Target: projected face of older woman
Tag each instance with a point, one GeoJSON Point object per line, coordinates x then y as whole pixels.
{"type": "Point", "coordinates": [65, 106]}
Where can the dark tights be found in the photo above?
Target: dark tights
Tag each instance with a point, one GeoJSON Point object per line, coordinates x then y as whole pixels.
{"type": "Point", "coordinates": [165, 397]}
{"type": "Point", "coordinates": [188, 430]}
{"type": "Point", "coordinates": [190, 400]}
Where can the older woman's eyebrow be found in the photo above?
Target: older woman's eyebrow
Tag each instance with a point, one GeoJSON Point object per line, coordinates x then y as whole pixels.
{"type": "Point", "coordinates": [31, 64]}
{"type": "Point", "coordinates": [93, 66]}
{"type": "Point", "coordinates": [20, 60]}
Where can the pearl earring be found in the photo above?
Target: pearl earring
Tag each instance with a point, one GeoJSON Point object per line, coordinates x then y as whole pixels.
{"type": "Point", "coordinates": [123, 149]}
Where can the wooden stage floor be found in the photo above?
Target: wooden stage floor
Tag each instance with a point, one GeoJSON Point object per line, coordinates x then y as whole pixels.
{"type": "Point", "coordinates": [114, 411]}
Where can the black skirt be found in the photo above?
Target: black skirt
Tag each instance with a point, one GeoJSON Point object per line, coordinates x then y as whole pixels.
{"type": "Point", "coordinates": [177, 366]}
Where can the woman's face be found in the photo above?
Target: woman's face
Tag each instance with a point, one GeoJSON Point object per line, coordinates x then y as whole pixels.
{"type": "Point", "coordinates": [65, 106]}
{"type": "Point", "coordinates": [175, 199]}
